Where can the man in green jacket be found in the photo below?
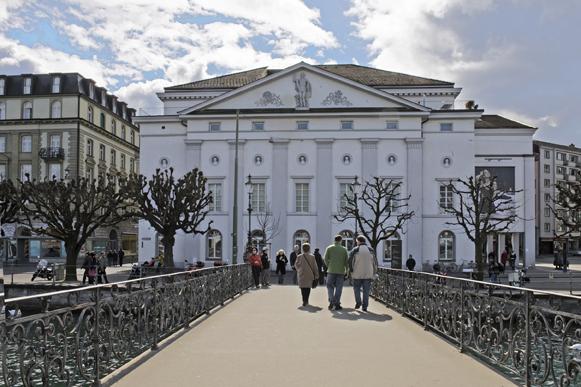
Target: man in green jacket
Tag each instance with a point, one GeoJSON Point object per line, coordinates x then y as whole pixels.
{"type": "Point", "coordinates": [336, 261]}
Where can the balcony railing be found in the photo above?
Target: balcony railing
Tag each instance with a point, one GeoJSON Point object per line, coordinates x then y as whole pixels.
{"type": "Point", "coordinates": [52, 153]}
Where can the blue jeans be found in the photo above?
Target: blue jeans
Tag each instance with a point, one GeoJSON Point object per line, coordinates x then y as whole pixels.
{"type": "Point", "coordinates": [366, 284]}
{"type": "Point", "coordinates": [335, 287]}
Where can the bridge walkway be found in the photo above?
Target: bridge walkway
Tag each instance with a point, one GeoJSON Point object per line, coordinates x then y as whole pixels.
{"type": "Point", "coordinates": [264, 338]}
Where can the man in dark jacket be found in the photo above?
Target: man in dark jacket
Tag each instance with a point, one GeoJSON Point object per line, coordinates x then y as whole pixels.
{"type": "Point", "coordinates": [121, 255]}
{"type": "Point", "coordinates": [410, 263]}
{"type": "Point", "coordinates": [293, 259]}
{"type": "Point", "coordinates": [321, 266]}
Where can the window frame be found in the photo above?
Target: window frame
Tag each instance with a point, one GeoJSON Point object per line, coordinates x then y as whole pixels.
{"type": "Point", "coordinates": [547, 154]}
{"type": "Point", "coordinates": [394, 123]}
{"type": "Point", "coordinates": [215, 246]}
{"type": "Point", "coordinates": [216, 205]}
{"type": "Point", "coordinates": [258, 205]}
{"type": "Point", "coordinates": [27, 86]}
{"type": "Point", "coordinates": [60, 109]}
{"type": "Point", "coordinates": [446, 257]}
{"type": "Point", "coordinates": [444, 125]}
{"type": "Point", "coordinates": [123, 161]}
{"type": "Point", "coordinates": [350, 123]}
{"type": "Point", "coordinates": [25, 109]}
{"type": "Point", "coordinates": [301, 122]}
{"type": "Point", "coordinates": [448, 198]}
{"type": "Point", "coordinates": [213, 124]}
{"type": "Point", "coordinates": [22, 174]}
{"type": "Point", "coordinates": [90, 147]}
{"type": "Point", "coordinates": [56, 84]}
{"type": "Point", "coordinates": [390, 243]}
{"type": "Point", "coordinates": [113, 157]}
{"type": "Point", "coordinates": [102, 152]}
{"type": "Point", "coordinates": [2, 110]}
{"type": "Point", "coordinates": [2, 86]}
{"type": "Point", "coordinates": [3, 140]}
{"type": "Point", "coordinates": [302, 197]}
{"type": "Point", "coordinates": [22, 137]}
{"type": "Point", "coordinates": [90, 114]}
{"type": "Point", "coordinates": [258, 125]}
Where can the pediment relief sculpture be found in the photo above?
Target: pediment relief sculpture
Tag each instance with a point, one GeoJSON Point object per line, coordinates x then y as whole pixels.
{"type": "Point", "coordinates": [336, 98]}
{"type": "Point", "coordinates": [269, 98]}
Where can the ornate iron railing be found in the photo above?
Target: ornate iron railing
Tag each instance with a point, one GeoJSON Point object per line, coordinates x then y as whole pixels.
{"type": "Point", "coordinates": [101, 327]}
{"type": "Point", "coordinates": [526, 334]}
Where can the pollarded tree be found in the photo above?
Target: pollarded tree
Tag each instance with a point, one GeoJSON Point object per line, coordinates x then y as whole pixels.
{"type": "Point", "coordinates": [10, 203]}
{"type": "Point", "coordinates": [171, 204]}
{"type": "Point", "coordinates": [480, 208]}
{"type": "Point", "coordinates": [71, 210]}
{"type": "Point", "coordinates": [379, 210]}
{"type": "Point", "coordinates": [567, 208]}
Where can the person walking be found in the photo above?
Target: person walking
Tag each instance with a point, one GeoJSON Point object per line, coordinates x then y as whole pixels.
{"type": "Point", "coordinates": [265, 273]}
{"type": "Point", "coordinates": [307, 273]}
{"type": "Point", "coordinates": [92, 269]}
{"type": "Point", "coordinates": [281, 261]}
{"type": "Point", "coordinates": [363, 268]}
{"type": "Point", "coordinates": [102, 269]}
{"type": "Point", "coordinates": [320, 266]}
{"type": "Point", "coordinates": [336, 262]}
{"type": "Point", "coordinates": [86, 265]}
{"type": "Point", "coordinates": [410, 263]}
{"type": "Point", "coordinates": [256, 265]}
{"type": "Point", "coordinates": [121, 255]}
{"type": "Point", "coordinates": [293, 259]}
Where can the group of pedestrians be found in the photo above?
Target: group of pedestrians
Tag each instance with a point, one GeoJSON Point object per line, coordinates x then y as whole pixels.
{"type": "Point", "coordinates": [95, 268]}
{"type": "Point", "coordinates": [260, 265]}
{"type": "Point", "coordinates": [360, 264]}
{"type": "Point", "coordinates": [115, 257]}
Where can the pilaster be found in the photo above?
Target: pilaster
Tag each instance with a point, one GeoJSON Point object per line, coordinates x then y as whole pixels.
{"type": "Point", "coordinates": [324, 181]}
{"type": "Point", "coordinates": [414, 176]}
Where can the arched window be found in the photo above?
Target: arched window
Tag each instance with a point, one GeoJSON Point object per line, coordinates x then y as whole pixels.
{"type": "Point", "coordinates": [301, 237]}
{"type": "Point", "coordinates": [446, 245]}
{"type": "Point", "coordinates": [214, 244]}
{"type": "Point", "coordinates": [258, 239]}
{"type": "Point", "coordinates": [102, 120]}
{"type": "Point", "coordinates": [27, 110]}
{"type": "Point", "coordinates": [90, 114]}
{"type": "Point", "coordinates": [2, 110]}
{"type": "Point", "coordinates": [123, 132]}
{"type": "Point", "coordinates": [347, 241]}
{"type": "Point", "coordinates": [392, 249]}
{"type": "Point", "coordinates": [55, 109]}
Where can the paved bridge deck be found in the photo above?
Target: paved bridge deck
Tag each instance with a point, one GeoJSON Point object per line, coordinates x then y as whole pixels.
{"type": "Point", "coordinates": [264, 339]}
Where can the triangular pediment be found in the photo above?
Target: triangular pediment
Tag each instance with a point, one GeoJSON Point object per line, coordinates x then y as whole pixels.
{"type": "Point", "coordinates": [304, 87]}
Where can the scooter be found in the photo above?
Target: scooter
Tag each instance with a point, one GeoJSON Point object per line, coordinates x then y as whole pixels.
{"type": "Point", "coordinates": [43, 270]}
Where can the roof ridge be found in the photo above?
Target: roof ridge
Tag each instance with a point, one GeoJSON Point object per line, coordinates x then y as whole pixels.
{"type": "Point", "coordinates": [218, 77]}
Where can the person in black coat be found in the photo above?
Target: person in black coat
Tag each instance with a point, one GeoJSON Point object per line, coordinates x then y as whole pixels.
{"type": "Point", "coordinates": [281, 261]}
{"type": "Point", "coordinates": [121, 255]}
{"type": "Point", "coordinates": [321, 266]}
{"type": "Point", "coordinates": [293, 259]}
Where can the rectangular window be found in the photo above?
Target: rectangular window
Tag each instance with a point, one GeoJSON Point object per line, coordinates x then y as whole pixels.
{"type": "Point", "coordinates": [561, 170]}
{"type": "Point", "coordinates": [123, 132]}
{"type": "Point", "coordinates": [25, 169]}
{"type": "Point", "coordinates": [2, 110]}
{"type": "Point", "coordinates": [446, 127]}
{"type": "Point", "coordinates": [574, 158]}
{"type": "Point", "coordinates": [259, 197]}
{"type": "Point", "coordinates": [3, 175]}
{"type": "Point", "coordinates": [104, 98]}
{"type": "Point", "coordinates": [56, 85]}
{"type": "Point", "coordinates": [391, 125]}
{"type": "Point", "coordinates": [131, 166]}
{"type": "Point", "coordinates": [54, 171]}
{"type": "Point", "coordinates": [26, 144]}
{"type": "Point", "coordinates": [547, 182]}
{"type": "Point", "coordinates": [547, 212]}
{"type": "Point", "coordinates": [446, 196]}
{"type": "Point", "coordinates": [302, 197]}
{"type": "Point", "coordinates": [2, 85]}
{"type": "Point", "coordinates": [2, 144]}
{"type": "Point", "coordinates": [560, 156]}
{"type": "Point", "coordinates": [113, 157]}
{"type": "Point", "coordinates": [215, 126]}
{"type": "Point", "coordinates": [547, 227]}
{"type": "Point", "coordinates": [132, 136]}
{"type": "Point", "coordinates": [89, 174]}
{"type": "Point", "coordinates": [572, 172]}
{"type": "Point", "coordinates": [547, 154]}
{"type": "Point", "coordinates": [547, 168]}
{"type": "Point", "coordinates": [257, 125]}
{"type": "Point", "coordinates": [122, 161]}
{"type": "Point", "coordinates": [102, 152]}
{"type": "Point", "coordinates": [346, 125]}
{"type": "Point", "coordinates": [27, 110]}
{"type": "Point", "coordinates": [216, 189]}
{"type": "Point", "coordinates": [90, 147]}
{"type": "Point", "coordinates": [547, 198]}
{"type": "Point", "coordinates": [302, 125]}
{"type": "Point", "coordinates": [27, 85]}
{"type": "Point", "coordinates": [91, 91]}
{"type": "Point", "coordinates": [345, 193]}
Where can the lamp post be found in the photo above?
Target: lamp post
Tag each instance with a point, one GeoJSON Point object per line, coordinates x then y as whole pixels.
{"type": "Point", "coordinates": [355, 187]}
{"type": "Point", "coordinates": [249, 185]}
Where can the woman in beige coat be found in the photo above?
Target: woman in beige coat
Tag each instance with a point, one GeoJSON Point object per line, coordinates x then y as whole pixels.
{"type": "Point", "coordinates": [307, 272]}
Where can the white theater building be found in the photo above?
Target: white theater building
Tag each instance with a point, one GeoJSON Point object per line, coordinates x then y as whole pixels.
{"type": "Point", "coordinates": [307, 131]}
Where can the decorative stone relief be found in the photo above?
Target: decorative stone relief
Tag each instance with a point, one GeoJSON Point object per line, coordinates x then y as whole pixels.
{"type": "Point", "coordinates": [303, 89]}
{"type": "Point", "coordinates": [269, 98]}
{"type": "Point", "coordinates": [336, 98]}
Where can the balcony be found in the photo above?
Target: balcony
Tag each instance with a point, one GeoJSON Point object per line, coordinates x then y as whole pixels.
{"type": "Point", "coordinates": [52, 153]}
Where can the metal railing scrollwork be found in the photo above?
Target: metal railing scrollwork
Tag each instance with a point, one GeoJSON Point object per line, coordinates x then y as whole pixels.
{"type": "Point", "coordinates": [81, 335]}
{"type": "Point", "coordinates": [527, 334]}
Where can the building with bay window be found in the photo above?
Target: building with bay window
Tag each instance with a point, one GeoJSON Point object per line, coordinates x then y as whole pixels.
{"type": "Point", "coordinates": [62, 125]}
{"type": "Point", "coordinates": [308, 131]}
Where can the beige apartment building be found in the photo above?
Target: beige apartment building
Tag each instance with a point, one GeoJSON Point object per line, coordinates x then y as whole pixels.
{"type": "Point", "coordinates": [62, 125]}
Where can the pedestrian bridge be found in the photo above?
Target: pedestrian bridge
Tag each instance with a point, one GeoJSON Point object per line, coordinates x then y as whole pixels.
{"type": "Point", "coordinates": [205, 328]}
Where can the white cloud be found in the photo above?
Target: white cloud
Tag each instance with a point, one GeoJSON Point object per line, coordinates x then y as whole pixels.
{"type": "Point", "coordinates": [539, 122]}
{"type": "Point", "coordinates": [143, 96]}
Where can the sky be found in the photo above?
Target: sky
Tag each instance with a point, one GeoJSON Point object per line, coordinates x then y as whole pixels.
{"type": "Point", "coordinates": [518, 58]}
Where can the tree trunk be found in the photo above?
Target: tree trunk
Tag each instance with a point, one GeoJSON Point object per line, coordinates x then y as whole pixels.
{"type": "Point", "coordinates": [72, 249]}
{"type": "Point", "coordinates": [168, 242]}
{"type": "Point", "coordinates": [478, 259]}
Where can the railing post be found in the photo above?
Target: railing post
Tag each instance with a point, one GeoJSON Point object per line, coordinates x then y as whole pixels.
{"type": "Point", "coordinates": [97, 381]}
{"type": "Point", "coordinates": [461, 316]}
{"type": "Point", "coordinates": [528, 339]}
{"type": "Point", "coordinates": [156, 316]}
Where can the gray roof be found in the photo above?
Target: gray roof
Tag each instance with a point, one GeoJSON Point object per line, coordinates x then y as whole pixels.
{"type": "Point", "coordinates": [570, 147]}
{"type": "Point", "coordinates": [494, 121]}
{"type": "Point", "coordinates": [365, 75]}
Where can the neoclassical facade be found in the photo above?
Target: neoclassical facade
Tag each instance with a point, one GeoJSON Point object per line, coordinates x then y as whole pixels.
{"type": "Point", "coordinates": [306, 132]}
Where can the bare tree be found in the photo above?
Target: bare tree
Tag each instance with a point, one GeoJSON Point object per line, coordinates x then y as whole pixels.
{"type": "Point", "coordinates": [268, 224]}
{"type": "Point", "coordinates": [171, 204]}
{"type": "Point", "coordinates": [383, 212]}
{"type": "Point", "coordinates": [10, 203]}
{"type": "Point", "coordinates": [72, 210]}
{"type": "Point", "coordinates": [567, 208]}
{"type": "Point", "coordinates": [481, 208]}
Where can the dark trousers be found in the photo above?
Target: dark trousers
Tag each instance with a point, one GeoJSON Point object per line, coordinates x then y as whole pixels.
{"type": "Point", "coordinates": [256, 275]}
{"type": "Point", "coordinates": [305, 292]}
{"type": "Point", "coordinates": [102, 275]}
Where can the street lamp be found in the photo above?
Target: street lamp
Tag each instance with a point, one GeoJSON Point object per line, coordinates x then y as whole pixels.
{"type": "Point", "coordinates": [249, 185]}
{"type": "Point", "coordinates": [355, 187]}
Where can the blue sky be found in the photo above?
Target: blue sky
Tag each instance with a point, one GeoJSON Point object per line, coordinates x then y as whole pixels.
{"type": "Point", "coordinates": [519, 58]}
